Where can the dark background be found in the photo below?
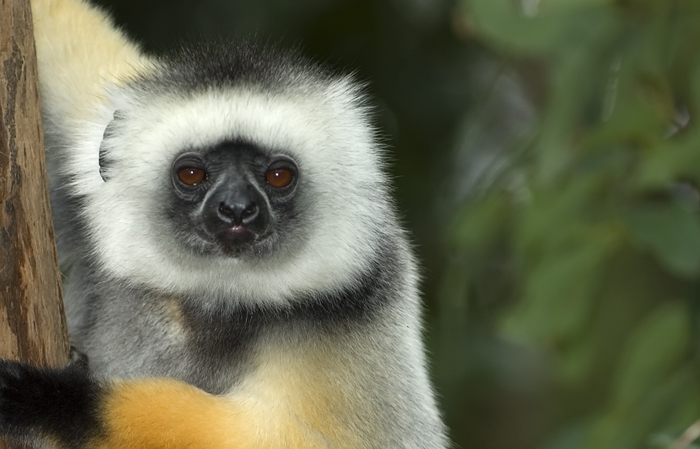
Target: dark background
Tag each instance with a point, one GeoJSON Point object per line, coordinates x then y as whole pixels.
{"type": "Point", "coordinates": [545, 159]}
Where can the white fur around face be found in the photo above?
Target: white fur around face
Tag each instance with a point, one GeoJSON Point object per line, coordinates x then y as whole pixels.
{"type": "Point", "coordinates": [326, 132]}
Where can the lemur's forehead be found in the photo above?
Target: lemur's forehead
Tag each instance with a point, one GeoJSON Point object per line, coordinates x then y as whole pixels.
{"type": "Point", "coordinates": [324, 129]}
{"type": "Point", "coordinates": [236, 151]}
{"type": "Point", "coordinates": [270, 120]}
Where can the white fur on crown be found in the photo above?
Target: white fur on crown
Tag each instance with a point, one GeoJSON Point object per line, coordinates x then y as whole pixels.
{"type": "Point", "coordinates": [327, 132]}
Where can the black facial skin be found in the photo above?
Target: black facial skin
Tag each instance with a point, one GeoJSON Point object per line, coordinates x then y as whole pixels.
{"type": "Point", "coordinates": [233, 210]}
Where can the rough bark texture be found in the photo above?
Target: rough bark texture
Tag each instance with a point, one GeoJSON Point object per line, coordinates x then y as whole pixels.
{"type": "Point", "coordinates": [32, 321]}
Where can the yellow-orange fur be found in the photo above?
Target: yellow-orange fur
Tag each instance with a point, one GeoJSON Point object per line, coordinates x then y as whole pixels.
{"type": "Point", "coordinates": [91, 54]}
{"type": "Point", "coordinates": [290, 402]}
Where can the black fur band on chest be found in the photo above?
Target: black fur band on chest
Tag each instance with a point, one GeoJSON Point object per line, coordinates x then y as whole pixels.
{"type": "Point", "coordinates": [225, 335]}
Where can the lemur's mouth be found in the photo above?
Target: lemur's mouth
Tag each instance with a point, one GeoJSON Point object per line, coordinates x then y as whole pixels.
{"type": "Point", "coordinates": [238, 233]}
{"type": "Point", "coordinates": [238, 229]}
{"type": "Point", "coordinates": [236, 239]}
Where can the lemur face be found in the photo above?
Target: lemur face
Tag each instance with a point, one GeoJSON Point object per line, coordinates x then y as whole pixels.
{"type": "Point", "coordinates": [243, 189]}
{"type": "Point", "coordinates": [234, 199]}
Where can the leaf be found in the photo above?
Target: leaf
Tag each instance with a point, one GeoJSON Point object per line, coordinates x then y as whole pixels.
{"type": "Point", "coordinates": [633, 428]}
{"type": "Point", "coordinates": [668, 162]}
{"type": "Point", "coordinates": [479, 224]}
{"type": "Point", "coordinates": [559, 292]}
{"type": "Point", "coordinates": [671, 232]}
{"type": "Point", "coordinates": [551, 27]}
{"type": "Point", "coordinates": [654, 349]}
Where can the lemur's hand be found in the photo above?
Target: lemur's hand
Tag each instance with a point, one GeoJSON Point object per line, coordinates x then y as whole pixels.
{"type": "Point", "coordinates": [60, 404]}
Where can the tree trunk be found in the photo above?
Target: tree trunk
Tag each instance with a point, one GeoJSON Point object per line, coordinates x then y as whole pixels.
{"type": "Point", "coordinates": [32, 321]}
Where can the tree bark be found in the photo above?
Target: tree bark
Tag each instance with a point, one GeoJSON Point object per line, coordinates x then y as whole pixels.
{"type": "Point", "coordinates": [32, 320]}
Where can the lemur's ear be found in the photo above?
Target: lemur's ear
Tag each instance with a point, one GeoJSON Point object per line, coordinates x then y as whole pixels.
{"type": "Point", "coordinates": [104, 159]}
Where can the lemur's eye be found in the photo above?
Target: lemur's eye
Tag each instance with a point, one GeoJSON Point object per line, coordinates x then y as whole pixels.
{"type": "Point", "coordinates": [191, 176]}
{"type": "Point", "coordinates": [279, 177]}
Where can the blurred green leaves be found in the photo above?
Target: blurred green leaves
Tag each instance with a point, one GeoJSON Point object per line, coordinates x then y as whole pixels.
{"type": "Point", "coordinates": [654, 348]}
{"type": "Point", "coordinates": [539, 26]}
{"type": "Point", "coordinates": [672, 233]}
{"type": "Point", "coordinates": [604, 252]}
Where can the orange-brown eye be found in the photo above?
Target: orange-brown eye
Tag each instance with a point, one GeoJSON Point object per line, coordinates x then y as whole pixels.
{"type": "Point", "coordinates": [279, 177]}
{"type": "Point", "coordinates": [191, 176]}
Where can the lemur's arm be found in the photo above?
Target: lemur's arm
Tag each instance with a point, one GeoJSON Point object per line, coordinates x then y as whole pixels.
{"type": "Point", "coordinates": [83, 52]}
{"type": "Point", "coordinates": [69, 408]}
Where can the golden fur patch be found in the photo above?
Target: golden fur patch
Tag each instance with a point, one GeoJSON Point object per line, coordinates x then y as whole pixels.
{"type": "Point", "coordinates": [294, 399]}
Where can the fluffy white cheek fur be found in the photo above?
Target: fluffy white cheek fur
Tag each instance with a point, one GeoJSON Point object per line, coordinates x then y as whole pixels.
{"type": "Point", "coordinates": [333, 144]}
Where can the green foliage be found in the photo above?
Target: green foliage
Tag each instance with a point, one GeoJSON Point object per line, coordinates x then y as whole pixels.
{"type": "Point", "coordinates": [603, 255]}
